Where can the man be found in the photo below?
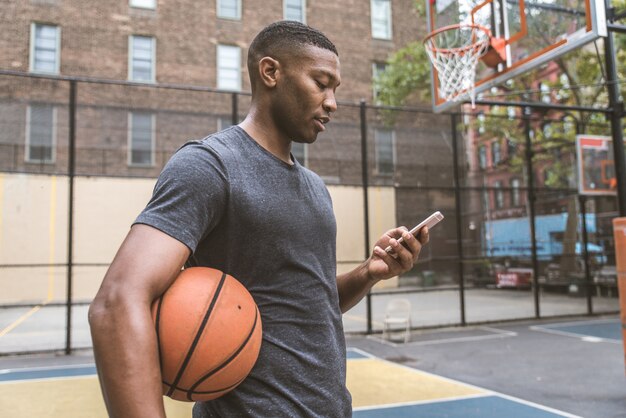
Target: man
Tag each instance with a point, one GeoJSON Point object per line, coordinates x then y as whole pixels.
{"type": "Point", "coordinates": [237, 201]}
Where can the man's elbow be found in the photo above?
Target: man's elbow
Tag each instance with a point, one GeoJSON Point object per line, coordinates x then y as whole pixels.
{"type": "Point", "coordinates": [106, 308]}
{"type": "Point", "coordinates": [99, 310]}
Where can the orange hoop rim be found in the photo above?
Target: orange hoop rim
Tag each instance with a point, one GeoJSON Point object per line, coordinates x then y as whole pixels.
{"type": "Point", "coordinates": [452, 27]}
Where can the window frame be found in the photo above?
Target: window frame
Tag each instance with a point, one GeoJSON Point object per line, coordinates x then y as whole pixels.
{"type": "Point", "coordinates": [57, 59]}
{"type": "Point", "coordinates": [393, 151]}
{"type": "Point", "coordinates": [218, 67]}
{"type": "Point", "coordinates": [496, 153]}
{"type": "Point", "coordinates": [140, 4]}
{"type": "Point", "coordinates": [498, 196]}
{"type": "Point", "coordinates": [129, 145]}
{"type": "Point", "coordinates": [131, 44]}
{"type": "Point", "coordinates": [482, 157]}
{"type": "Point", "coordinates": [28, 133]}
{"type": "Point", "coordinates": [515, 192]}
{"type": "Point", "coordinates": [388, 21]}
{"type": "Point", "coordinates": [376, 71]}
{"type": "Point", "coordinates": [239, 10]}
{"type": "Point", "coordinates": [302, 9]}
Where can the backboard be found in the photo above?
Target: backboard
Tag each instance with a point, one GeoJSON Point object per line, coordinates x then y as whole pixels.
{"type": "Point", "coordinates": [596, 169]}
{"type": "Point", "coordinates": [534, 32]}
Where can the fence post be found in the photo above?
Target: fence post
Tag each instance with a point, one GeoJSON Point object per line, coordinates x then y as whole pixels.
{"type": "Point", "coordinates": [458, 214]}
{"type": "Point", "coordinates": [588, 285]}
{"type": "Point", "coordinates": [531, 209]}
{"type": "Point", "coordinates": [364, 174]}
{"type": "Point", "coordinates": [234, 117]}
{"type": "Point", "coordinates": [617, 107]}
{"type": "Point", "coordinates": [71, 169]}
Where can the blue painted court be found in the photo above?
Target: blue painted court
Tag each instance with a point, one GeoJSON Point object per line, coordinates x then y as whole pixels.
{"type": "Point", "coordinates": [610, 330]}
{"type": "Point", "coordinates": [479, 407]}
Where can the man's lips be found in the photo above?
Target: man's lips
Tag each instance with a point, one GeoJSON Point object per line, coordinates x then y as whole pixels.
{"type": "Point", "coordinates": [321, 121]}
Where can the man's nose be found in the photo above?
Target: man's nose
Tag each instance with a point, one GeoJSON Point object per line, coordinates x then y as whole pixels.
{"type": "Point", "coordinates": [330, 103]}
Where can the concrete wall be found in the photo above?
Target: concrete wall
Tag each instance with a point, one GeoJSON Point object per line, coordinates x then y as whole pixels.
{"type": "Point", "coordinates": [34, 229]}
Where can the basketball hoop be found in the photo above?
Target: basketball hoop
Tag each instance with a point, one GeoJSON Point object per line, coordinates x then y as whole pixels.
{"type": "Point", "coordinates": [454, 51]}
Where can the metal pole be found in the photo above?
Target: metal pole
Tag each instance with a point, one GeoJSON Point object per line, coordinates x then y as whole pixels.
{"type": "Point", "coordinates": [234, 117]}
{"type": "Point", "coordinates": [616, 119]}
{"type": "Point", "coordinates": [582, 199]}
{"type": "Point", "coordinates": [71, 169]}
{"type": "Point", "coordinates": [458, 214]}
{"type": "Point", "coordinates": [366, 216]}
{"type": "Point", "coordinates": [531, 210]}
{"type": "Point", "coordinates": [616, 28]}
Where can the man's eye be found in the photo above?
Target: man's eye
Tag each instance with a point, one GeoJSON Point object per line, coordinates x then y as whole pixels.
{"type": "Point", "coordinates": [320, 85]}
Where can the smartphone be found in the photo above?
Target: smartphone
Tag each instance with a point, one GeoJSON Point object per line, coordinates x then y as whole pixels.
{"type": "Point", "coordinates": [431, 221]}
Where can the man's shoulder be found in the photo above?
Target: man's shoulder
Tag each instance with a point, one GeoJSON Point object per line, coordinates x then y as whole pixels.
{"type": "Point", "coordinates": [217, 146]}
{"type": "Point", "coordinates": [217, 142]}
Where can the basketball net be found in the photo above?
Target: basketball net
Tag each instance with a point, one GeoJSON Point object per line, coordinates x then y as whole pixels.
{"type": "Point", "coordinates": [454, 51]}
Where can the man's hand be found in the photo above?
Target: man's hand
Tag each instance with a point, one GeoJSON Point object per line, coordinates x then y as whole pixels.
{"type": "Point", "coordinates": [355, 284]}
{"type": "Point", "coordinates": [382, 265]}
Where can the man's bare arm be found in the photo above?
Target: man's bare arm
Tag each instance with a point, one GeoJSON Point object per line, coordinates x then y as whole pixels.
{"type": "Point", "coordinates": [122, 330]}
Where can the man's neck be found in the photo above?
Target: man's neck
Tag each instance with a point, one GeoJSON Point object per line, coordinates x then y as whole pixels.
{"type": "Point", "coordinates": [266, 135]}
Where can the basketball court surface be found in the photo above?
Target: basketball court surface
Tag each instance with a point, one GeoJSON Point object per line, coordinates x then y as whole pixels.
{"type": "Point", "coordinates": [388, 378]}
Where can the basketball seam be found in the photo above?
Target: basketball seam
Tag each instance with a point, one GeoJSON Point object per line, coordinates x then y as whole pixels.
{"type": "Point", "coordinates": [228, 360]}
{"type": "Point", "coordinates": [196, 339]}
{"type": "Point", "coordinates": [207, 392]}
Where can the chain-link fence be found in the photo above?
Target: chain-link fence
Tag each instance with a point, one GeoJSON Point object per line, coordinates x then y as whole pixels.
{"type": "Point", "coordinates": [79, 157]}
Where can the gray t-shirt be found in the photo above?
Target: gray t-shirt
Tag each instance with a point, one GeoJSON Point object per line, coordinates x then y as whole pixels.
{"type": "Point", "coordinates": [271, 225]}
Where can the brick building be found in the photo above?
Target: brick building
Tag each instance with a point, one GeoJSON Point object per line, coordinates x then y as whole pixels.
{"type": "Point", "coordinates": [177, 42]}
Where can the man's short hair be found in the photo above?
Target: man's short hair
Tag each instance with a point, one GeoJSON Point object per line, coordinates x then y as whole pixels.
{"type": "Point", "coordinates": [285, 36]}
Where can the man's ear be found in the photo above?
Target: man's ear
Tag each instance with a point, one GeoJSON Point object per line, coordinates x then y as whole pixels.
{"type": "Point", "coordinates": [269, 71]}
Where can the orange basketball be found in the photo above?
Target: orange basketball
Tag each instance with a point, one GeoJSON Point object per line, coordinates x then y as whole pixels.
{"type": "Point", "coordinates": [209, 334]}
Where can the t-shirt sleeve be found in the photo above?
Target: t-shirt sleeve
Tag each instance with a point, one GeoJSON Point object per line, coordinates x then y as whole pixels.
{"type": "Point", "coordinates": [190, 195]}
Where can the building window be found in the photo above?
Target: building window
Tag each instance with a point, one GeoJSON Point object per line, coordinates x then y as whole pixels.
{"type": "Point", "coordinates": [482, 157]}
{"type": "Point", "coordinates": [300, 152]}
{"type": "Point", "coordinates": [294, 10]}
{"type": "Point", "coordinates": [515, 196]}
{"type": "Point", "coordinates": [548, 130]}
{"type": "Point", "coordinates": [511, 112]}
{"type": "Point", "coordinates": [40, 133]}
{"type": "Point", "coordinates": [511, 148]}
{"type": "Point", "coordinates": [385, 155]}
{"type": "Point", "coordinates": [229, 9]}
{"type": "Point", "coordinates": [381, 19]}
{"type": "Point", "coordinates": [228, 67]}
{"type": "Point", "coordinates": [141, 60]}
{"type": "Point", "coordinates": [570, 126]}
{"type": "Point", "coordinates": [481, 122]}
{"type": "Point", "coordinates": [499, 194]}
{"type": "Point", "coordinates": [45, 47]}
{"type": "Point", "coordinates": [377, 69]}
{"type": "Point", "coordinates": [143, 4]}
{"type": "Point", "coordinates": [496, 156]}
{"type": "Point", "coordinates": [141, 139]}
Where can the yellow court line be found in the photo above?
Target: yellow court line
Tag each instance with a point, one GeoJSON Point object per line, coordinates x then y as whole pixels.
{"type": "Point", "coordinates": [21, 319]}
{"type": "Point", "coordinates": [51, 254]}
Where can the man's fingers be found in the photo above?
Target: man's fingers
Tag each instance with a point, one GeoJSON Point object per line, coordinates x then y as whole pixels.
{"type": "Point", "coordinates": [424, 235]}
